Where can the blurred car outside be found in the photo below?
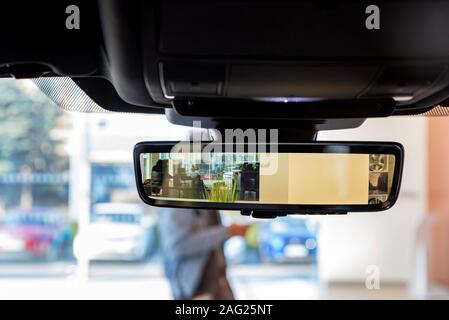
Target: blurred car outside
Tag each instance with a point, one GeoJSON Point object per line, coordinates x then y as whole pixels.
{"type": "Point", "coordinates": [289, 240]}
{"type": "Point", "coordinates": [117, 232]}
{"type": "Point", "coordinates": [36, 234]}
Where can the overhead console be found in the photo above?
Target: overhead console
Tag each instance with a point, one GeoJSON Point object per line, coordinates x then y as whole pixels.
{"type": "Point", "coordinates": [300, 53]}
{"type": "Point", "coordinates": [301, 29]}
{"type": "Point", "coordinates": [238, 58]}
{"type": "Point", "coordinates": [301, 81]}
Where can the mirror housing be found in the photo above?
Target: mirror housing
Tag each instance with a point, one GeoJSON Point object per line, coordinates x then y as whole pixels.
{"type": "Point", "coordinates": [340, 177]}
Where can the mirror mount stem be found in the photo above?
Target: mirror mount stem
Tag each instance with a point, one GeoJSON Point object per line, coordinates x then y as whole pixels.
{"type": "Point", "coordinates": [294, 135]}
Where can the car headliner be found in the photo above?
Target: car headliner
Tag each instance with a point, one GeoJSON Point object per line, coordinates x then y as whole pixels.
{"type": "Point", "coordinates": [123, 52]}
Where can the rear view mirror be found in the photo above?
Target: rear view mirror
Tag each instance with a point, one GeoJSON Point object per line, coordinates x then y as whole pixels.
{"type": "Point", "coordinates": [324, 177]}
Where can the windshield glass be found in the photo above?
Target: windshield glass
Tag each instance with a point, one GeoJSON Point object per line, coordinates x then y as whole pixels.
{"type": "Point", "coordinates": [59, 168]}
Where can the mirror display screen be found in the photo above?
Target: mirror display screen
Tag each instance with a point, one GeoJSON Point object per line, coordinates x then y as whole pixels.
{"type": "Point", "coordinates": [269, 178]}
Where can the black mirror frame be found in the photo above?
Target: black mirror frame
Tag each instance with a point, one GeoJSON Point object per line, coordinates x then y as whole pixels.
{"type": "Point", "coordinates": [393, 148]}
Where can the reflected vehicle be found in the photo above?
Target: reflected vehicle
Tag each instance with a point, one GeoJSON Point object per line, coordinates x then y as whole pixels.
{"type": "Point", "coordinates": [288, 240]}
{"type": "Point", "coordinates": [117, 232]}
{"type": "Point", "coordinates": [35, 234]}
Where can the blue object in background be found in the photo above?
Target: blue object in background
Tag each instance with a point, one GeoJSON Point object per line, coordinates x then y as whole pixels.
{"type": "Point", "coordinates": [289, 239]}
